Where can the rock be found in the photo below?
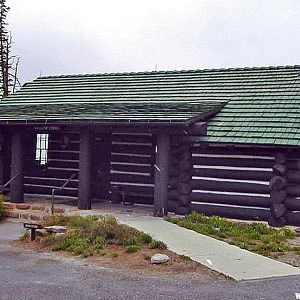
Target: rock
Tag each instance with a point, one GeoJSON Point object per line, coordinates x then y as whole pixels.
{"type": "Point", "coordinates": [56, 229]}
{"type": "Point", "coordinates": [159, 258]}
{"type": "Point", "coordinates": [42, 232]}
{"type": "Point", "coordinates": [58, 210]}
{"type": "Point", "coordinates": [297, 231]}
{"type": "Point", "coordinates": [60, 234]}
{"type": "Point", "coordinates": [36, 218]}
{"type": "Point", "coordinates": [8, 205]}
{"type": "Point", "coordinates": [36, 207]}
{"type": "Point", "coordinates": [22, 206]}
{"type": "Point", "coordinates": [13, 214]}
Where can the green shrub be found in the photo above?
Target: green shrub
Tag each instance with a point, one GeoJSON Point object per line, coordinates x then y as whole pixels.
{"type": "Point", "coordinates": [157, 245]}
{"type": "Point", "coordinates": [132, 249]}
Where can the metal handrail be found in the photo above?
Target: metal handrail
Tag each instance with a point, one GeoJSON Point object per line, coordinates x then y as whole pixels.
{"type": "Point", "coordinates": [59, 189]}
{"type": "Point", "coordinates": [9, 182]}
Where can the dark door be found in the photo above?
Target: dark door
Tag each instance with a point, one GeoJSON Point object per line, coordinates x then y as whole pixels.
{"type": "Point", "coordinates": [100, 166]}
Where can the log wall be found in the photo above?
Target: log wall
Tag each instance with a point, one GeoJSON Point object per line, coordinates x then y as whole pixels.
{"type": "Point", "coordinates": [132, 165]}
{"type": "Point", "coordinates": [224, 182]}
{"type": "Point", "coordinates": [237, 182]}
{"type": "Point", "coordinates": [62, 163]}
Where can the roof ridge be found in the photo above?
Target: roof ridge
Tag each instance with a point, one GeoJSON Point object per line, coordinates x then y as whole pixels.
{"type": "Point", "coordinates": [280, 67]}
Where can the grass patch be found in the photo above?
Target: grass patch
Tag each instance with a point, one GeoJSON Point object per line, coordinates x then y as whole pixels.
{"type": "Point", "coordinates": [87, 236]}
{"type": "Point", "coordinates": [132, 249]}
{"type": "Point", "coordinates": [255, 237]}
{"type": "Point", "coordinates": [157, 245]}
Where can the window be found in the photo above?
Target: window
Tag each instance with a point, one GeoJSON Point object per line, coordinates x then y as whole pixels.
{"type": "Point", "coordinates": [41, 153]}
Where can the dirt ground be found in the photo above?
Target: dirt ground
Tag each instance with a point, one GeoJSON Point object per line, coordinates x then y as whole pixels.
{"type": "Point", "coordinates": [139, 262]}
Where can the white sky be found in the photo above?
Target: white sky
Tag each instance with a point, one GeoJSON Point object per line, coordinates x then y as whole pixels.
{"type": "Point", "coordinates": [95, 36]}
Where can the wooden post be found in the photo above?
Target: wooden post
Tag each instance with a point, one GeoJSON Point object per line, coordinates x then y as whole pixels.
{"type": "Point", "coordinates": [84, 188]}
{"type": "Point", "coordinates": [17, 185]}
{"type": "Point", "coordinates": [161, 175]}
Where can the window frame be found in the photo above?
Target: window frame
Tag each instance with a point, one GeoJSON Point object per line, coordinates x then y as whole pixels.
{"type": "Point", "coordinates": [41, 149]}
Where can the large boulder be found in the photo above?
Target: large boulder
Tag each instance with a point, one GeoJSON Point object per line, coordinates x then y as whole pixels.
{"type": "Point", "coordinates": [159, 258]}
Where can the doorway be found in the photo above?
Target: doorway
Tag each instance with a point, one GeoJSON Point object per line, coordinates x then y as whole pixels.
{"type": "Point", "coordinates": [100, 166]}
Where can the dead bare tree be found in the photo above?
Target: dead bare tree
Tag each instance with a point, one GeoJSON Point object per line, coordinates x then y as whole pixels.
{"type": "Point", "coordinates": [8, 63]}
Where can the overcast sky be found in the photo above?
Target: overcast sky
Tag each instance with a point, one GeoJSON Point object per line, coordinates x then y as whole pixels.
{"type": "Point", "coordinates": [95, 36]}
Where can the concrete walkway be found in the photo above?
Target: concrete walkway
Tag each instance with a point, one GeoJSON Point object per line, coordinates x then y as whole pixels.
{"type": "Point", "coordinates": [229, 260]}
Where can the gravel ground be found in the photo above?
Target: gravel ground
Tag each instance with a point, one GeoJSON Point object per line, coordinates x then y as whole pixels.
{"type": "Point", "coordinates": [30, 275]}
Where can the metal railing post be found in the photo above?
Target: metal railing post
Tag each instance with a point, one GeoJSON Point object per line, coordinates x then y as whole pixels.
{"type": "Point", "coordinates": [59, 189]}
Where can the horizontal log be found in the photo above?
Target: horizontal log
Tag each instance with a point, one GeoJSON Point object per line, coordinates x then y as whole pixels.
{"type": "Point", "coordinates": [187, 155]}
{"type": "Point", "coordinates": [63, 164]}
{"type": "Point", "coordinates": [63, 155]}
{"type": "Point", "coordinates": [131, 178]}
{"type": "Point", "coordinates": [226, 186]}
{"type": "Point", "coordinates": [50, 173]}
{"type": "Point", "coordinates": [184, 200]}
{"type": "Point", "coordinates": [183, 210]}
{"type": "Point", "coordinates": [293, 190]}
{"type": "Point", "coordinates": [173, 194]}
{"type": "Point", "coordinates": [55, 145]}
{"type": "Point", "coordinates": [131, 159]}
{"type": "Point", "coordinates": [47, 190]}
{"type": "Point", "coordinates": [139, 199]}
{"type": "Point", "coordinates": [74, 136]}
{"type": "Point", "coordinates": [293, 176]}
{"type": "Point", "coordinates": [185, 176]}
{"type": "Point", "coordinates": [277, 222]}
{"type": "Point", "coordinates": [249, 151]}
{"type": "Point", "coordinates": [184, 188]}
{"type": "Point", "coordinates": [135, 189]}
{"type": "Point", "coordinates": [280, 158]}
{"type": "Point", "coordinates": [278, 196]}
{"type": "Point", "coordinates": [278, 210]}
{"type": "Point", "coordinates": [280, 169]}
{"type": "Point", "coordinates": [232, 162]}
{"type": "Point", "coordinates": [172, 206]}
{"type": "Point", "coordinates": [50, 181]}
{"type": "Point", "coordinates": [242, 200]}
{"type": "Point", "coordinates": [173, 171]}
{"type": "Point", "coordinates": [233, 174]}
{"type": "Point", "coordinates": [292, 204]}
{"type": "Point", "coordinates": [234, 212]}
{"type": "Point", "coordinates": [293, 164]}
{"type": "Point", "coordinates": [277, 183]}
{"type": "Point", "coordinates": [132, 138]}
{"type": "Point", "coordinates": [293, 218]}
{"type": "Point", "coordinates": [133, 168]}
{"type": "Point", "coordinates": [132, 149]}
{"type": "Point", "coordinates": [185, 165]}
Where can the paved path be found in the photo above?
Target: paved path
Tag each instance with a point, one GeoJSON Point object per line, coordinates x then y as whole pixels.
{"type": "Point", "coordinates": [230, 260]}
{"type": "Point", "coordinates": [30, 275]}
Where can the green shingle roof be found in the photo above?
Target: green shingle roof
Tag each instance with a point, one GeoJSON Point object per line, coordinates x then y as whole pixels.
{"type": "Point", "coordinates": [262, 105]}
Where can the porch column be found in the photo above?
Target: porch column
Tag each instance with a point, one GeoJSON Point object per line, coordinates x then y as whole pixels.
{"type": "Point", "coordinates": [161, 175]}
{"type": "Point", "coordinates": [17, 185]}
{"type": "Point", "coordinates": [84, 188]}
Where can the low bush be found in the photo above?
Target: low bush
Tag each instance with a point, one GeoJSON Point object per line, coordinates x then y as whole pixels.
{"type": "Point", "coordinates": [132, 249]}
{"type": "Point", "coordinates": [157, 245]}
{"type": "Point", "coordinates": [90, 235]}
{"type": "Point", "coordinates": [256, 237]}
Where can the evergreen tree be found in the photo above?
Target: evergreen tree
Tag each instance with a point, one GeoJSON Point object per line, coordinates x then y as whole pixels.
{"type": "Point", "coordinates": [8, 63]}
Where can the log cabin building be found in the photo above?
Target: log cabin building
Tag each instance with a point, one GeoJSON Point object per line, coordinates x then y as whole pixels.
{"type": "Point", "coordinates": [221, 142]}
